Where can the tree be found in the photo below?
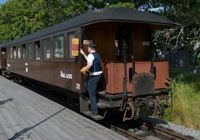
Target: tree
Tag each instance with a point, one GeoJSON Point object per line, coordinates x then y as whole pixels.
{"type": "Point", "coordinates": [185, 35]}
{"type": "Point", "coordinates": [21, 17]}
{"type": "Point", "coordinates": [120, 4]}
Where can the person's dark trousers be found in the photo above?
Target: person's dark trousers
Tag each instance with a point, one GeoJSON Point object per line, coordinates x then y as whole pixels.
{"type": "Point", "coordinates": [92, 82]}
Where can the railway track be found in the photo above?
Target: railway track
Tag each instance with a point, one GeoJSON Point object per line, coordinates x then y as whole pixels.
{"type": "Point", "coordinates": [151, 132]}
{"type": "Point", "coordinates": [170, 134]}
{"type": "Point", "coordinates": [126, 133]}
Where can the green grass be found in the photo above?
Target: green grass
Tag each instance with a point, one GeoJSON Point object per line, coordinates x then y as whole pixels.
{"type": "Point", "coordinates": [186, 101]}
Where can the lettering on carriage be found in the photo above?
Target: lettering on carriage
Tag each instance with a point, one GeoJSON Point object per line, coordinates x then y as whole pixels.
{"type": "Point", "coordinates": [65, 75]}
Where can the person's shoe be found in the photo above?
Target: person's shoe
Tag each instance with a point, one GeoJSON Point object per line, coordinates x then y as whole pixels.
{"type": "Point", "coordinates": [97, 117]}
{"type": "Point", "coordinates": [87, 113]}
{"type": "Point", "coordinates": [101, 105]}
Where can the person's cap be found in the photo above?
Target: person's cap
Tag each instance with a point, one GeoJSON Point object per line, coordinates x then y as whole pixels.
{"type": "Point", "coordinates": [92, 45]}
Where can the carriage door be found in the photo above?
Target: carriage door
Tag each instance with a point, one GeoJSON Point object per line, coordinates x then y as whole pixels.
{"type": "Point", "coordinates": [3, 58]}
{"type": "Point", "coordinates": [125, 53]}
{"type": "Point", "coordinates": [119, 74]}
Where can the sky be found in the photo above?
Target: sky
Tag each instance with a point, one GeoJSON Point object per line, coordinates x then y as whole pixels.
{"type": "Point", "coordinates": [2, 1]}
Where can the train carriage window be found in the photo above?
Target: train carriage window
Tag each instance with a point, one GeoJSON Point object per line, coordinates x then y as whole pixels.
{"type": "Point", "coordinates": [46, 49]}
{"type": "Point", "coordinates": [24, 52]}
{"type": "Point", "coordinates": [19, 52]}
{"type": "Point", "coordinates": [14, 53]}
{"type": "Point", "coordinates": [11, 53]}
{"type": "Point", "coordinates": [123, 40]}
{"type": "Point", "coordinates": [71, 36]}
{"type": "Point", "coordinates": [37, 50]}
{"type": "Point", "coordinates": [59, 47]}
{"type": "Point", "coordinates": [30, 51]}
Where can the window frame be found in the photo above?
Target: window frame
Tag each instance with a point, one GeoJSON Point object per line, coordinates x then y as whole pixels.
{"type": "Point", "coordinates": [43, 49]}
{"type": "Point", "coordinates": [29, 45]}
{"type": "Point", "coordinates": [19, 47]}
{"type": "Point", "coordinates": [54, 47]}
{"type": "Point", "coordinates": [37, 44]}
{"type": "Point", "coordinates": [15, 55]}
{"type": "Point", "coordinates": [24, 54]}
{"type": "Point", "coordinates": [69, 45]}
{"type": "Point", "coordinates": [11, 53]}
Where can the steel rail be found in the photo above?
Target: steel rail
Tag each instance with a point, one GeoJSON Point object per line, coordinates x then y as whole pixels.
{"type": "Point", "coordinates": [171, 133]}
{"type": "Point", "coordinates": [125, 133]}
{"type": "Point", "coordinates": [159, 132]}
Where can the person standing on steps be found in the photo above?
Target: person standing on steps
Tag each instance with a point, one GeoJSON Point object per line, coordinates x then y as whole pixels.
{"type": "Point", "coordinates": [94, 71]}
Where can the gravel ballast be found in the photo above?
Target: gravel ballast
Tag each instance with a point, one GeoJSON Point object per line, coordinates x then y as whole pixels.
{"type": "Point", "coordinates": [183, 130]}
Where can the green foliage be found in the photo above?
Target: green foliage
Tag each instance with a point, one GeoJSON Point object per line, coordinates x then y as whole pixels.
{"type": "Point", "coordinates": [186, 101]}
{"type": "Point", "coordinates": [22, 17]}
{"type": "Point", "coordinates": [187, 14]}
{"type": "Point", "coordinates": [19, 17]}
{"type": "Point", "coordinates": [120, 4]}
{"type": "Point", "coordinates": [198, 58]}
{"type": "Point", "coordinates": [129, 3]}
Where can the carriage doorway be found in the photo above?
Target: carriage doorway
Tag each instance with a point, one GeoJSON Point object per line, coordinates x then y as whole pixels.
{"type": "Point", "coordinates": [123, 40]}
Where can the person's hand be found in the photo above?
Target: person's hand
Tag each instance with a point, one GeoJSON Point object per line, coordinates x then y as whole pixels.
{"type": "Point", "coordinates": [82, 52]}
{"type": "Point", "coordinates": [83, 70]}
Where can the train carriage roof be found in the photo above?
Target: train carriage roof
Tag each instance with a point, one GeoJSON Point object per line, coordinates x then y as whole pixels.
{"type": "Point", "coordinates": [96, 16]}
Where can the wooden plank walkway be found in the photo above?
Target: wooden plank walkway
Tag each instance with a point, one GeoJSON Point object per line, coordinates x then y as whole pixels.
{"type": "Point", "coordinates": [25, 115]}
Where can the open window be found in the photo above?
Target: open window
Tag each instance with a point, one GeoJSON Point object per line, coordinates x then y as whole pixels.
{"type": "Point", "coordinates": [14, 52]}
{"type": "Point", "coordinates": [59, 47]}
{"type": "Point", "coordinates": [30, 51]}
{"type": "Point", "coordinates": [37, 50]}
{"type": "Point", "coordinates": [24, 52]}
{"type": "Point", "coordinates": [73, 45]}
{"type": "Point", "coordinates": [46, 49]}
{"type": "Point", "coordinates": [19, 52]}
{"type": "Point", "coordinates": [11, 53]}
{"type": "Point", "coordinates": [123, 40]}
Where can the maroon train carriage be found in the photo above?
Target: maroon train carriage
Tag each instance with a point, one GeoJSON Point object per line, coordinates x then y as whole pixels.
{"type": "Point", "coordinates": [132, 79]}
